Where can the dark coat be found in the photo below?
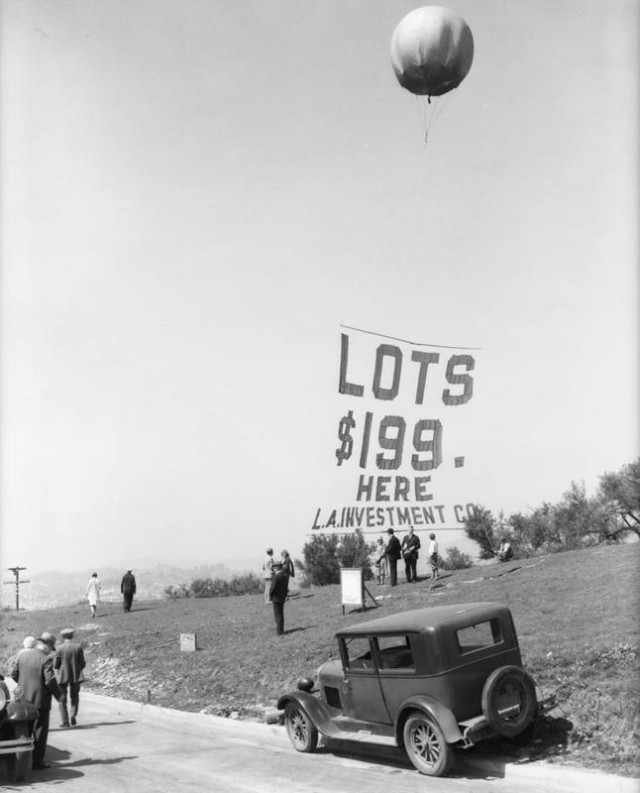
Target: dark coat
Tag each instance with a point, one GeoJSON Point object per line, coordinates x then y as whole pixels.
{"type": "Point", "coordinates": [69, 663]}
{"type": "Point", "coordinates": [392, 549]}
{"type": "Point", "coordinates": [410, 546]}
{"type": "Point", "coordinates": [279, 589]}
{"type": "Point", "coordinates": [33, 670]}
{"type": "Point", "coordinates": [128, 584]}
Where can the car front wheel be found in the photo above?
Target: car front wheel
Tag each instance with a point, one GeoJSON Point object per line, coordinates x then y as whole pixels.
{"type": "Point", "coordinates": [301, 730]}
{"type": "Point", "coordinates": [426, 746]}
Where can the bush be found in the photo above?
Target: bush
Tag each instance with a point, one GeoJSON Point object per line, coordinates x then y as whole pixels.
{"type": "Point", "coordinates": [456, 560]}
{"type": "Point", "coordinates": [246, 584]}
{"type": "Point", "coordinates": [325, 554]}
{"type": "Point", "coordinates": [175, 592]}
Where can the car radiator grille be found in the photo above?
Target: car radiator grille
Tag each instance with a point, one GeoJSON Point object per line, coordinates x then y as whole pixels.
{"type": "Point", "coordinates": [332, 695]}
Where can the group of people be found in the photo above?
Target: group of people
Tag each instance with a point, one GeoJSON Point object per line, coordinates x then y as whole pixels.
{"type": "Point", "coordinates": [127, 589]}
{"type": "Point", "coordinates": [276, 575]}
{"type": "Point", "coordinates": [45, 671]}
{"type": "Point", "coordinates": [393, 550]}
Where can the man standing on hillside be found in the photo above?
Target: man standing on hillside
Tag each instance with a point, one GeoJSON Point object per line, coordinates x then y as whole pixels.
{"type": "Point", "coordinates": [279, 592]}
{"type": "Point", "coordinates": [33, 670]}
{"type": "Point", "coordinates": [392, 554]}
{"type": "Point", "coordinates": [128, 589]}
{"type": "Point", "coordinates": [410, 546]}
{"type": "Point", "coordinates": [69, 664]}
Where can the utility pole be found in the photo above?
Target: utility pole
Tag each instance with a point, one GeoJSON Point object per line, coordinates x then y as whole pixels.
{"type": "Point", "coordinates": [18, 581]}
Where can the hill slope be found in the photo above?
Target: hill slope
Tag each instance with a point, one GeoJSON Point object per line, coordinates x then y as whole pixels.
{"type": "Point", "coordinates": [576, 616]}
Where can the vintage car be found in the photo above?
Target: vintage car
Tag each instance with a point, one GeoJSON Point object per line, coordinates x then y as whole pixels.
{"type": "Point", "coordinates": [17, 720]}
{"type": "Point", "coordinates": [425, 680]}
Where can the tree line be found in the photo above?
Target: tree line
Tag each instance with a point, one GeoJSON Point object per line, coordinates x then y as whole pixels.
{"type": "Point", "coordinates": [576, 521]}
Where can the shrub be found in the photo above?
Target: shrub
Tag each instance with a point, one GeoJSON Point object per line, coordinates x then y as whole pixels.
{"type": "Point", "coordinates": [456, 560]}
{"type": "Point", "coordinates": [175, 592]}
{"type": "Point", "coordinates": [325, 554]}
{"type": "Point", "coordinates": [247, 584]}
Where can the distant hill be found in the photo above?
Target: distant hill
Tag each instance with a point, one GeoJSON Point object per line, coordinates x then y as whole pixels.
{"type": "Point", "coordinates": [53, 588]}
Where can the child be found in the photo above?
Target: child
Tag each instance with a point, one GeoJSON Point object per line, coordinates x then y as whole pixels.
{"type": "Point", "coordinates": [432, 554]}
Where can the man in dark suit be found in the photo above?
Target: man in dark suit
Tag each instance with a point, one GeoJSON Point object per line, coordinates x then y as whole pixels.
{"type": "Point", "coordinates": [128, 589]}
{"type": "Point", "coordinates": [279, 592]}
{"type": "Point", "coordinates": [69, 664]}
{"type": "Point", "coordinates": [410, 547]}
{"type": "Point", "coordinates": [392, 552]}
{"type": "Point", "coordinates": [33, 671]}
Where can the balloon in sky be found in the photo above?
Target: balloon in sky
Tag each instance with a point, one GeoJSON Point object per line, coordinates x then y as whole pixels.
{"type": "Point", "coordinates": [431, 51]}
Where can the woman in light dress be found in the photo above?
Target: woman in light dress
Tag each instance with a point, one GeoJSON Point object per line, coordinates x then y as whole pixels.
{"type": "Point", "coordinates": [93, 593]}
{"type": "Point", "coordinates": [381, 561]}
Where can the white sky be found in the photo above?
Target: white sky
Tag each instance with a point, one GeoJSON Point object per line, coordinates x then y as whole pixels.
{"type": "Point", "coordinates": [197, 194]}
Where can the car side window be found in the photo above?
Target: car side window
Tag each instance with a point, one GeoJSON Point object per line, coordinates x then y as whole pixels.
{"type": "Point", "coordinates": [476, 637]}
{"type": "Point", "coordinates": [358, 653]}
{"type": "Point", "coordinates": [394, 652]}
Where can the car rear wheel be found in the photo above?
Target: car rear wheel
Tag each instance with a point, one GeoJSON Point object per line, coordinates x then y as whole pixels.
{"type": "Point", "coordinates": [426, 746]}
{"type": "Point", "coordinates": [301, 730]}
{"type": "Point", "coordinates": [509, 701]}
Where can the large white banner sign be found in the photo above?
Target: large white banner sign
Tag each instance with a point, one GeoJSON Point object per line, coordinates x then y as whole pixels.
{"type": "Point", "coordinates": [403, 419]}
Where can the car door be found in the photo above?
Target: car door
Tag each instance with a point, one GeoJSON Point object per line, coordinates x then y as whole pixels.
{"type": "Point", "coordinates": [363, 698]}
{"type": "Point", "coordinates": [397, 671]}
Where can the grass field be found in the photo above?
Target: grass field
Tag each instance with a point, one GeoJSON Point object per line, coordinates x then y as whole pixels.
{"type": "Point", "coordinates": [576, 614]}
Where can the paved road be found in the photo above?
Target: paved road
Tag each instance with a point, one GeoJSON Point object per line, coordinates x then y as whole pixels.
{"type": "Point", "coordinates": [121, 747]}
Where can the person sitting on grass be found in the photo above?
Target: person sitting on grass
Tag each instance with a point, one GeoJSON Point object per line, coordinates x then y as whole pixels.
{"type": "Point", "coordinates": [505, 552]}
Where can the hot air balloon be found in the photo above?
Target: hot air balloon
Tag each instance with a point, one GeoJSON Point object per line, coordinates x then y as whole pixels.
{"type": "Point", "coordinates": [431, 51]}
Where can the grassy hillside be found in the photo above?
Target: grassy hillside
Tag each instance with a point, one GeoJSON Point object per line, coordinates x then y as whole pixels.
{"type": "Point", "coordinates": [576, 616]}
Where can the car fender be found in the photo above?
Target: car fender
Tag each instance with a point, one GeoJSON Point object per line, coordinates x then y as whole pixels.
{"type": "Point", "coordinates": [19, 710]}
{"type": "Point", "coordinates": [433, 708]}
{"type": "Point", "coordinates": [313, 706]}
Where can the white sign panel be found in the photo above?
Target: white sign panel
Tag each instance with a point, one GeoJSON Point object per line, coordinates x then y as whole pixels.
{"type": "Point", "coordinates": [352, 582]}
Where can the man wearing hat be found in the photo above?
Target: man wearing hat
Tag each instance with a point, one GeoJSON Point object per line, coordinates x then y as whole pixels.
{"type": "Point", "coordinates": [278, 592]}
{"type": "Point", "coordinates": [33, 670]}
{"type": "Point", "coordinates": [69, 664]}
{"type": "Point", "coordinates": [392, 553]}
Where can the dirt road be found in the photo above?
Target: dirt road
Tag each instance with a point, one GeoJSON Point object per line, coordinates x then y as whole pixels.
{"type": "Point", "coordinates": [120, 747]}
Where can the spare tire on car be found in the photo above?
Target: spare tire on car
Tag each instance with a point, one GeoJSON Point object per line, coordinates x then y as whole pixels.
{"type": "Point", "coordinates": [509, 701]}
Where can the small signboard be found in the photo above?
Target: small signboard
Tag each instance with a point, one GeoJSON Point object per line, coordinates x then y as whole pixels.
{"type": "Point", "coordinates": [352, 582]}
{"type": "Point", "coordinates": [188, 642]}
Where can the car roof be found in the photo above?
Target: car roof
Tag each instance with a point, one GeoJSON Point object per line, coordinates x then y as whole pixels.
{"type": "Point", "coordinates": [425, 619]}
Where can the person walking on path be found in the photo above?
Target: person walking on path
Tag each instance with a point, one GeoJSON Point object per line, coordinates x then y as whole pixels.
{"type": "Point", "coordinates": [410, 546]}
{"type": "Point", "coordinates": [92, 593]}
{"type": "Point", "coordinates": [128, 589]}
{"type": "Point", "coordinates": [392, 554]}
{"type": "Point", "coordinates": [69, 664]}
{"type": "Point", "coordinates": [267, 573]}
{"type": "Point", "coordinates": [33, 671]}
{"type": "Point", "coordinates": [432, 555]}
{"type": "Point", "coordinates": [278, 593]}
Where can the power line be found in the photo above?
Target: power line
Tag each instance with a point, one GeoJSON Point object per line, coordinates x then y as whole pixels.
{"type": "Point", "coordinates": [17, 582]}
